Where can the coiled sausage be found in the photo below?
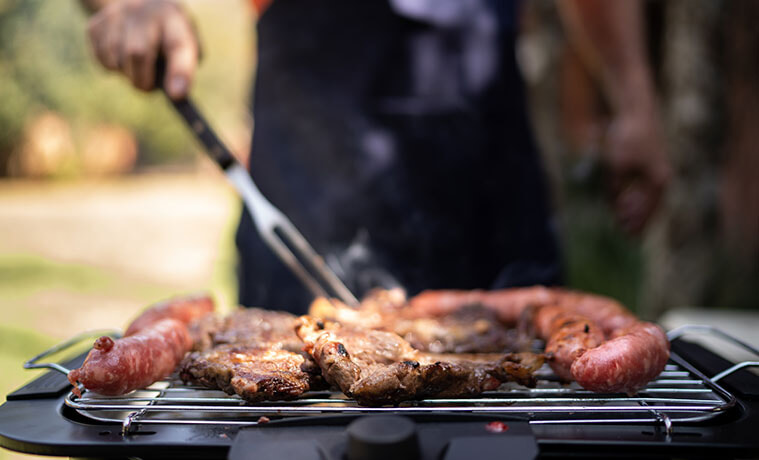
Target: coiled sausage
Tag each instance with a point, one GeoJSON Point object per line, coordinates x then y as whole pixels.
{"type": "Point", "coordinates": [591, 339]}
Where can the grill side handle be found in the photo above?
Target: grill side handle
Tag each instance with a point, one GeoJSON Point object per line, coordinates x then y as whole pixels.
{"type": "Point", "coordinates": [54, 382]}
{"type": "Point", "coordinates": [720, 369]}
{"type": "Point", "coordinates": [65, 345]}
{"type": "Point", "coordinates": [680, 331]}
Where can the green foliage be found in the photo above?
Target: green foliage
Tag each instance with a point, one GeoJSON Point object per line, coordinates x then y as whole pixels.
{"type": "Point", "coordinates": [598, 256]}
{"type": "Point", "coordinates": [16, 346]}
{"type": "Point", "coordinates": [23, 274]}
{"type": "Point", "coordinates": [45, 63]}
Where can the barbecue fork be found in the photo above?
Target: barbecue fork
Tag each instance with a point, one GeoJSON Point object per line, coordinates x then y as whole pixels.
{"type": "Point", "coordinates": [274, 227]}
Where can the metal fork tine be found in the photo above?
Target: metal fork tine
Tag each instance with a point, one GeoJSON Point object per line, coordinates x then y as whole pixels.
{"type": "Point", "coordinates": [316, 261]}
{"type": "Point", "coordinates": [283, 252]}
{"type": "Point", "coordinates": [268, 219]}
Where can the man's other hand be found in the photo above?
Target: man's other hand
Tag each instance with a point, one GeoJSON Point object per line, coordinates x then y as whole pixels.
{"type": "Point", "coordinates": [129, 35]}
{"type": "Point", "coordinates": [638, 168]}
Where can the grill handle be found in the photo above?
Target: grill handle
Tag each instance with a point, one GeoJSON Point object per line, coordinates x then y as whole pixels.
{"type": "Point", "coordinates": [711, 330]}
{"type": "Point", "coordinates": [33, 364]}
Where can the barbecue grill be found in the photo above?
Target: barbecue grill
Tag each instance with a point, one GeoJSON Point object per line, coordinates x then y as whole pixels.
{"type": "Point", "coordinates": [700, 406]}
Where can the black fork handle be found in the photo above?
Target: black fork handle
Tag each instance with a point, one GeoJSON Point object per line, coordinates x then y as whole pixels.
{"type": "Point", "coordinates": [214, 147]}
{"type": "Point", "coordinates": [197, 123]}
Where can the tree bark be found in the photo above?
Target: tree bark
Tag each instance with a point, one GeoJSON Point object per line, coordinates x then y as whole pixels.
{"type": "Point", "coordinates": [680, 248]}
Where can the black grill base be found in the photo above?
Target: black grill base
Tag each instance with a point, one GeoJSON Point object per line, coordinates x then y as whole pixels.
{"type": "Point", "coordinates": [43, 425]}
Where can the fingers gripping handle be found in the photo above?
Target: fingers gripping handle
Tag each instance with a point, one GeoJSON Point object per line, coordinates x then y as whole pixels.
{"type": "Point", "coordinates": [197, 123]}
{"type": "Point", "coordinates": [214, 147]}
{"type": "Point", "coordinates": [266, 217]}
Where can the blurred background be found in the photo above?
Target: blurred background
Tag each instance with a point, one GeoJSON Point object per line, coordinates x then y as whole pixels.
{"type": "Point", "coordinates": [106, 204]}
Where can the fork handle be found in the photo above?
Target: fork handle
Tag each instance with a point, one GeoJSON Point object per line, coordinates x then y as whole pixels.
{"type": "Point", "coordinates": [197, 122]}
{"type": "Point", "coordinates": [205, 134]}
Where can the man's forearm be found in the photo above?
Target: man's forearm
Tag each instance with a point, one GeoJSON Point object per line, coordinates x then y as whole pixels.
{"type": "Point", "coordinates": [609, 35]}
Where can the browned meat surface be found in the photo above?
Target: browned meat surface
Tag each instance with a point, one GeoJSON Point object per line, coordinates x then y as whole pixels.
{"type": "Point", "coordinates": [471, 329]}
{"type": "Point", "coordinates": [591, 339]}
{"type": "Point", "coordinates": [251, 326]}
{"type": "Point", "coordinates": [377, 309]}
{"type": "Point", "coordinates": [378, 367]}
{"type": "Point", "coordinates": [252, 372]}
{"type": "Point", "coordinates": [253, 353]}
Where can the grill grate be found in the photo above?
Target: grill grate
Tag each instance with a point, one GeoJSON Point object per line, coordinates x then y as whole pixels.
{"type": "Point", "coordinates": [681, 394]}
{"type": "Point", "coordinates": [678, 395]}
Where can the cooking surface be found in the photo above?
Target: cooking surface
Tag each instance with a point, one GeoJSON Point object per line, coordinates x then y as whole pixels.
{"type": "Point", "coordinates": [47, 426]}
{"type": "Point", "coordinates": [677, 395]}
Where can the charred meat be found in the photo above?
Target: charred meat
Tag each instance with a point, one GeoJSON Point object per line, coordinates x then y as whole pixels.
{"type": "Point", "coordinates": [250, 326]}
{"type": "Point", "coordinates": [471, 329]}
{"type": "Point", "coordinates": [253, 353]}
{"type": "Point", "coordinates": [254, 373]}
{"type": "Point", "coordinates": [379, 368]}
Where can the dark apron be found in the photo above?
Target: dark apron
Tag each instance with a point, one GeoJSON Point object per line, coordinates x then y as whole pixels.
{"type": "Point", "coordinates": [399, 146]}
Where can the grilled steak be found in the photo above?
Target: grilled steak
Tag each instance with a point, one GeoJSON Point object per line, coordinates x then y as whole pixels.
{"type": "Point", "coordinates": [472, 329]}
{"type": "Point", "coordinates": [378, 367]}
{"type": "Point", "coordinates": [253, 353]}
{"type": "Point", "coordinates": [245, 327]}
{"type": "Point", "coordinates": [256, 354]}
{"type": "Point", "coordinates": [252, 372]}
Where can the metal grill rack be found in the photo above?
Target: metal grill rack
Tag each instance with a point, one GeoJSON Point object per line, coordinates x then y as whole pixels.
{"type": "Point", "coordinates": [681, 394]}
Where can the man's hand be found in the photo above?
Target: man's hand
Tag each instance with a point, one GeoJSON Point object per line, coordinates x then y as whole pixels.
{"type": "Point", "coordinates": [638, 168]}
{"type": "Point", "coordinates": [129, 35]}
{"type": "Point", "coordinates": [609, 34]}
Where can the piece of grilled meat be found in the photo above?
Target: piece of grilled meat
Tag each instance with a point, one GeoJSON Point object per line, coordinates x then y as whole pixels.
{"type": "Point", "coordinates": [246, 326]}
{"type": "Point", "coordinates": [253, 353]}
{"type": "Point", "coordinates": [255, 373]}
{"type": "Point", "coordinates": [473, 329]}
{"type": "Point", "coordinates": [379, 368]}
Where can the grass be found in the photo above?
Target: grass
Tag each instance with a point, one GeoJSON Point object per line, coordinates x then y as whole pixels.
{"type": "Point", "coordinates": [16, 346]}
{"type": "Point", "coordinates": [44, 300]}
{"type": "Point", "coordinates": [599, 258]}
{"type": "Point", "coordinates": [24, 275]}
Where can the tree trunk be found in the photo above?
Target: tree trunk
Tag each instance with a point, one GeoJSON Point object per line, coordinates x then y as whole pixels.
{"type": "Point", "coordinates": [680, 248]}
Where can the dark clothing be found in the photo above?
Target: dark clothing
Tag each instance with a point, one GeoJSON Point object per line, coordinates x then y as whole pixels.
{"type": "Point", "coordinates": [399, 146]}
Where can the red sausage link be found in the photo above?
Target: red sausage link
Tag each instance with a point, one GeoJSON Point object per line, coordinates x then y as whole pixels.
{"type": "Point", "coordinates": [568, 335]}
{"type": "Point", "coordinates": [633, 354]}
{"type": "Point", "coordinates": [508, 304]}
{"type": "Point", "coordinates": [626, 363]}
{"type": "Point", "coordinates": [116, 367]}
{"type": "Point", "coordinates": [607, 313]}
{"type": "Point", "coordinates": [183, 309]}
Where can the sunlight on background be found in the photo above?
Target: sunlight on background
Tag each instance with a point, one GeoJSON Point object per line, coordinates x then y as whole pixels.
{"type": "Point", "coordinates": [109, 206]}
